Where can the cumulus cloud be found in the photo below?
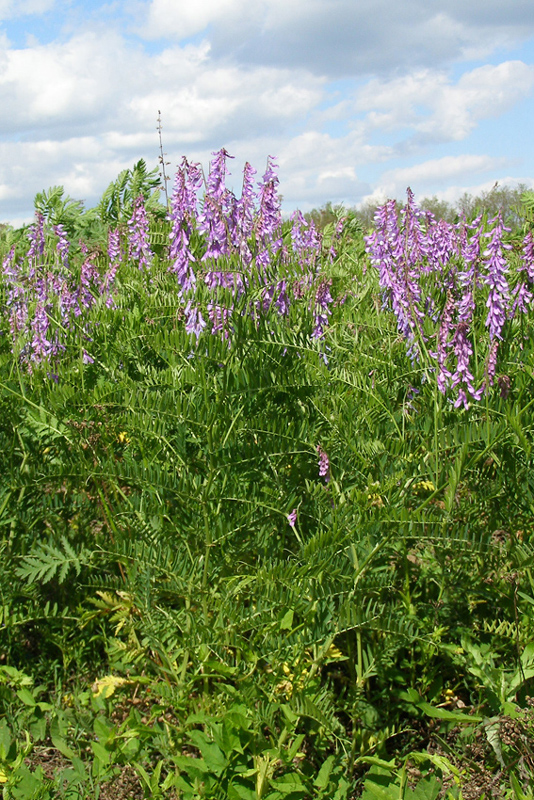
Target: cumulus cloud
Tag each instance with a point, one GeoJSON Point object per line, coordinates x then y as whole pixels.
{"type": "Point", "coordinates": [168, 19]}
{"type": "Point", "coordinates": [20, 8]}
{"type": "Point", "coordinates": [438, 110]}
{"type": "Point", "coordinates": [258, 77]}
{"type": "Point", "coordinates": [342, 37]}
{"type": "Point", "coordinates": [428, 177]}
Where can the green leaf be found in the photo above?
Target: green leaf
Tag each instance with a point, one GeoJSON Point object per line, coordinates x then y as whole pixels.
{"type": "Point", "coordinates": [102, 755]}
{"type": "Point", "coordinates": [27, 697]}
{"type": "Point", "coordinates": [448, 716]}
{"type": "Point", "coordinates": [212, 754]}
{"type": "Point", "coordinates": [61, 745]}
{"type": "Point", "coordinates": [286, 622]}
{"type": "Point", "coordinates": [323, 776]}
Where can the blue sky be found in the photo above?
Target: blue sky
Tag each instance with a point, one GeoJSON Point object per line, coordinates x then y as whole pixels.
{"type": "Point", "coordinates": [357, 98]}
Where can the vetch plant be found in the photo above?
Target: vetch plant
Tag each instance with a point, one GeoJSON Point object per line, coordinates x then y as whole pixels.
{"type": "Point", "coordinates": [418, 258]}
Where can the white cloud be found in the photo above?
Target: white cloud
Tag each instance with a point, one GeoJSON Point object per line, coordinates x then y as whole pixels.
{"type": "Point", "coordinates": [20, 8]}
{"type": "Point", "coordinates": [430, 176]}
{"type": "Point", "coordinates": [254, 78]}
{"type": "Point", "coordinates": [437, 110]}
{"type": "Point", "coordinates": [343, 37]}
{"type": "Point", "coordinates": [167, 18]}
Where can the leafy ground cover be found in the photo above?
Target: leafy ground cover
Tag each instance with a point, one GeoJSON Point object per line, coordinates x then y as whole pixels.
{"type": "Point", "coordinates": [266, 499]}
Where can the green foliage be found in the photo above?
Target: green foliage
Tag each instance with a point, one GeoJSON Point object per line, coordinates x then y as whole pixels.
{"type": "Point", "coordinates": [116, 205]}
{"type": "Point", "coordinates": [161, 618]}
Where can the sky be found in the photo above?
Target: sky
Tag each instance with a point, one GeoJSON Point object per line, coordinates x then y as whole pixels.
{"type": "Point", "coordinates": [357, 99]}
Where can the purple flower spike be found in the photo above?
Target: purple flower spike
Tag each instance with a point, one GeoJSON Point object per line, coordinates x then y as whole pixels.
{"type": "Point", "coordinates": [324, 464]}
{"type": "Point", "coordinates": [218, 212]}
{"type": "Point", "coordinates": [244, 215]}
{"type": "Point", "coordinates": [499, 295]}
{"type": "Point", "coordinates": [323, 299]}
{"type": "Point", "coordinates": [37, 241]}
{"type": "Point", "coordinates": [292, 517]}
{"type": "Point", "coordinates": [528, 256]}
{"type": "Point", "coordinates": [269, 220]}
{"type": "Point", "coordinates": [139, 246]}
{"type": "Point", "coordinates": [63, 245]}
{"type": "Point", "coordinates": [183, 214]}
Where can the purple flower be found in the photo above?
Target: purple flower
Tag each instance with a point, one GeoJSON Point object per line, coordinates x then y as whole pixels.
{"type": "Point", "coordinates": [395, 251]}
{"type": "Point", "coordinates": [324, 464]}
{"type": "Point", "coordinates": [183, 216]}
{"type": "Point", "coordinates": [269, 219]}
{"type": "Point", "coordinates": [305, 240]}
{"type": "Point", "coordinates": [323, 299]}
{"type": "Point", "coordinates": [219, 317]}
{"type": "Point", "coordinates": [139, 247]}
{"type": "Point", "coordinates": [444, 376]}
{"type": "Point", "coordinates": [292, 517]}
{"type": "Point", "coordinates": [37, 241]}
{"type": "Point", "coordinates": [114, 245]}
{"type": "Point", "coordinates": [528, 256]}
{"type": "Point", "coordinates": [218, 210]}
{"type": "Point", "coordinates": [41, 345]}
{"type": "Point", "coordinates": [90, 284]}
{"type": "Point", "coordinates": [63, 245]}
{"type": "Point", "coordinates": [194, 321]}
{"type": "Point", "coordinates": [244, 216]}
{"type": "Point", "coordinates": [463, 377]}
{"type": "Point", "coordinates": [491, 363]}
{"type": "Point", "coordinates": [499, 294]}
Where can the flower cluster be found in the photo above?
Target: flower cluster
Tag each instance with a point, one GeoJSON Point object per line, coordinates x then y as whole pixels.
{"type": "Point", "coordinates": [240, 242]}
{"type": "Point", "coordinates": [230, 247]}
{"type": "Point", "coordinates": [45, 295]}
{"type": "Point", "coordinates": [434, 275]}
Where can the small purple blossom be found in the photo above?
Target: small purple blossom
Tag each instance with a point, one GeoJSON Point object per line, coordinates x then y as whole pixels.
{"type": "Point", "coordinates": [194, 321]}
{"type": "Point", "coordinates": [292, 517]}
{"type": "Point", "coordinates": [324, 464]}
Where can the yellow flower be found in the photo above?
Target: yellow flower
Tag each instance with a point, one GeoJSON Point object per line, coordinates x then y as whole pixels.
{"type": "Point", "coordinates": [108, 685]}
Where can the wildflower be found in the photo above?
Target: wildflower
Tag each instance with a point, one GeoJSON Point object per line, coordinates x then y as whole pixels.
{"type": "Point", "coordinates": [63, 245]}
{"type": "Point", "coordinates": [292, 517]}
{"type": "Point", "coordinates": [269, 220]}
{"type": "Point", "coordinates": [324, 464]}
{"type": "Point", "coordinates": [37, 241]}
{"type": "Point", "coordinates": [498, 298]}
{"type": "Point", "coordinates": [194, 322]}
{"type": "Point", "coordinates": [305, 240]}
{"type": "Point", "coordinates": [323, 299]}
{"type": "Point", "coordinates": [114, 245]}
{"type": "Point", "coordinates": [463, 377]}
{"type": "Point", "coordinates": [139, 247]}
{"type": "Point", "coordinates": [244, 216]}
{"type": "Point", "coordinates": [218, 210]}
{"type": "Point", "coordinates": [183, 212]}
{"type": "Point", "coordinates": [219, 318]}
{"type": "Point", "coordinates": [89, 284]}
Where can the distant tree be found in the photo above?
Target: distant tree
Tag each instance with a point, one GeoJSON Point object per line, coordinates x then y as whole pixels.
{"type": "Point", "coordinates": [325, 215]}
{"type": "Point", "coordinates": [441, 209]}
{"type": "Point", "coordinates": [505, 200]}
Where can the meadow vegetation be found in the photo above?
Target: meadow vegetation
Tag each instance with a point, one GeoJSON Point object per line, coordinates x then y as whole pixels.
{"type": "Point", "coordinates": [266, 497]}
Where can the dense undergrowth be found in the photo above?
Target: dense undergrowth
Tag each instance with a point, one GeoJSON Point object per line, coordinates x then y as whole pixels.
{"type": "Point", "coordinates": [266, 500]}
